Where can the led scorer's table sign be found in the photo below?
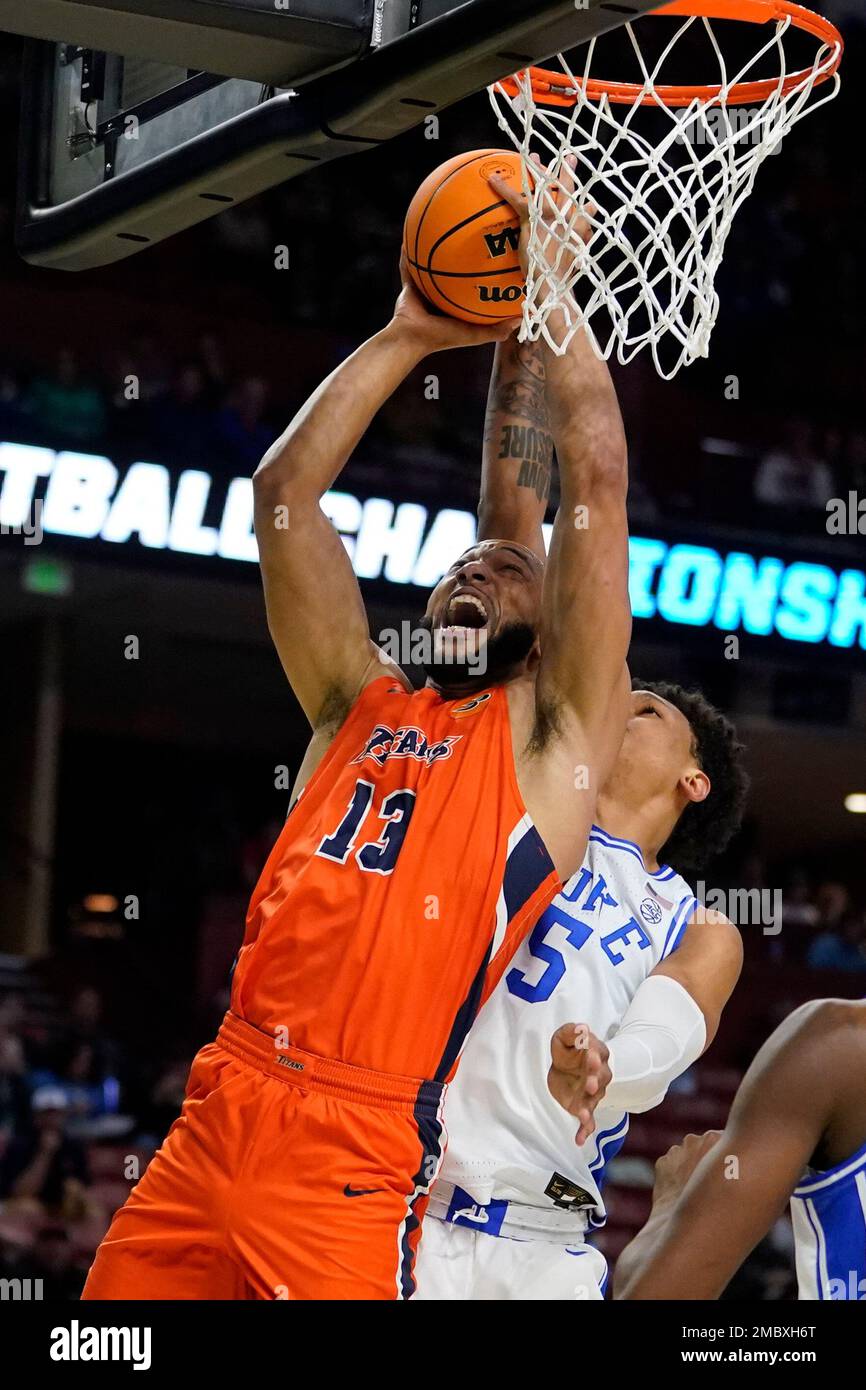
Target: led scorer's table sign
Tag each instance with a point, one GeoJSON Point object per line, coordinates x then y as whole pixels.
{"type": "Point", "coordinates": [407, 543]}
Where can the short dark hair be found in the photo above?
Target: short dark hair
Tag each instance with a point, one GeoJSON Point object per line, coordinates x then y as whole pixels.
{"type": "Point", "coordinates": [705, 828]}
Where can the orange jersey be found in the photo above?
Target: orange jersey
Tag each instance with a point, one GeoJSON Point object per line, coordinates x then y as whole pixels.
{"type": "Point", "coordinates": [405, 877]}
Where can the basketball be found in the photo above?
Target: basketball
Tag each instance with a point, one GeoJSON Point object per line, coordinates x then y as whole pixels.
{"type": "Point", "coordinates": [461, 240]}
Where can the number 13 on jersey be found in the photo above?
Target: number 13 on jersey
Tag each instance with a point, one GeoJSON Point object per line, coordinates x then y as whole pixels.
{"type": "Point", "coordinates": [377, 856]}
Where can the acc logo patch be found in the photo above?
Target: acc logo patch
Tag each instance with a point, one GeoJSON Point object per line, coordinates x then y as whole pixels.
{"type": "Point", "coordinates": [650, 911]}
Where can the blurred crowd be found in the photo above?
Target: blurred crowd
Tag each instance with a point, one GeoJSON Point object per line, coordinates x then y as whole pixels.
{"type": "Point", "coordinates": [144, 404]}
{"type": "Point", "coordinates": [80, 1115]}
{"type": "Point", "coordinates": [791, 916]}
{"type": "Point", "coordinates": [823, 925]}
{"type": "Point", "coordinates": [192, 412]}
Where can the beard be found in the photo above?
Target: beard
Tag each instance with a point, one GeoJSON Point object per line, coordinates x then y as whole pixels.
{"type": "Point", "coordinates": [494, 663]}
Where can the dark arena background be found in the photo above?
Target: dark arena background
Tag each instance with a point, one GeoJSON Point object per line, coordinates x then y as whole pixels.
{"type": "Point", "coordinates": [149, 739]}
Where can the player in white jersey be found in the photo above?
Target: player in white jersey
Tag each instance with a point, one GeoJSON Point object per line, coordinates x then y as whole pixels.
{"type": "Point", "coordinates": [512, 1169]}
{"type": "Point", "coordinates": [624, 950]}
{"type": "Point", "coordinates": [797, 1130]}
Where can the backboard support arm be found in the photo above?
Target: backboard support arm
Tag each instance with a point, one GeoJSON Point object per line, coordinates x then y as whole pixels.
{"type": "Point", "coordinates": [389, 90]}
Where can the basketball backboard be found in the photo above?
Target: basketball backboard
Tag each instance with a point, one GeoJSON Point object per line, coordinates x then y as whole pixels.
{"type": "Point", "coordinates": [206, 105]}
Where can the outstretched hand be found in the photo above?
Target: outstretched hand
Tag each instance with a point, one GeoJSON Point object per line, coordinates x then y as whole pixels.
{"type": "Point", "coordinates": [575, 226]}
{"type": "Point", "coordinates": [579, 1074]}
{"type": "Point", "coordinates": [435, 332]}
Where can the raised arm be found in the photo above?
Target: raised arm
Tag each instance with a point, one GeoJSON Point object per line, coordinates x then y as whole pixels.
{"type": "Point", "coordinates": [315, 612]}
{"type": "Point", "coordinates": [518, 449]}
{"type": "Point", "coordinates": [718, 1195]}
{"type": "Point", "coordinates": [586, 615]}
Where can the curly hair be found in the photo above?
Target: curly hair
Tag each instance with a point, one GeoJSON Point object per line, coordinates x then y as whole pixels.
{"type": "Point", "coordinates": [705, 828]}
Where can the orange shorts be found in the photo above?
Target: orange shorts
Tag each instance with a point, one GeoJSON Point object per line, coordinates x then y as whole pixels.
{"type": "Point", "coordinates": [285, 1176]}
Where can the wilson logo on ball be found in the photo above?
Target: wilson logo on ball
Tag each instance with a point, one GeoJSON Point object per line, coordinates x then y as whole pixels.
{"type": "Point", "coordinates": [500, 243]}
{"type": "Point", "coordinates": [495, 294]}
{"type": "Point", "coordinates": [457, 232]}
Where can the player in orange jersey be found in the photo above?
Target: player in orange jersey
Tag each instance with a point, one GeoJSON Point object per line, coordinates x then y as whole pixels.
{"type": "Point", "coordinates": [428, 831]}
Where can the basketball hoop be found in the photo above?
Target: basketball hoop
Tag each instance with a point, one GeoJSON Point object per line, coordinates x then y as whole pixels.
{"type": "Point", "coordinates": [659, 202]}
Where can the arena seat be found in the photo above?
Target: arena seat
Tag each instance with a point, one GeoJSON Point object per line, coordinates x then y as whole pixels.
{"type": "Point", "coordinates": [628, 1206]}
{"type": "Point", "coordinates": [701, 1111]}
{"type": "Point", "coordinates": [719, 1081]}
{"type": "Point", "coordinates": [110, 1195]}
{"type": "Point", "coordinates": [107, 1161]}
{"type": "Point", "coordinates": [611, 1241]}
{"type": "Point", "coordinates": [649, 1137]}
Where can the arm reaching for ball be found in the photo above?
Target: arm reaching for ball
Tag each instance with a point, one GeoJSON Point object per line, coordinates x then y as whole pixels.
{"type": "Point", "coordinates": [517, 460]}
{"type": "Point", "coordinates": [306, 572]}
{"type": "Point", "coordinates": [582, 689]}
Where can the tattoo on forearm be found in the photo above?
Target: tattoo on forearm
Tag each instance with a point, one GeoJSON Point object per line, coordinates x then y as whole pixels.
{"type": "Point", "coordinates": [519, 389]}
{"type": "Point", "coordinates": [535, 450]}
{"type": "Point", "coordinates": [537, 477]}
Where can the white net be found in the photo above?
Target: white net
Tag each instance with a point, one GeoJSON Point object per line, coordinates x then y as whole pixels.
{"type": "Point", "coordinates": [659, 174]}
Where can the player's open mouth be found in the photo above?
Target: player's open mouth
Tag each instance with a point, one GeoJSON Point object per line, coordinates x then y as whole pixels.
{"type": "Point", "coordinates": [464, 611]}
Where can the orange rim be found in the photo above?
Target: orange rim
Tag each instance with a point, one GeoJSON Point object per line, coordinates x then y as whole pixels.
{"type": "Point", "coordinates": [549, 86]}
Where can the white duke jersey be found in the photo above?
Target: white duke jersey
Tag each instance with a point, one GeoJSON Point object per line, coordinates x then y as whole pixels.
{"type": "Point", "coordinates": [828, 1211]}
{"type": "Point", "coordinates": [592, 948]}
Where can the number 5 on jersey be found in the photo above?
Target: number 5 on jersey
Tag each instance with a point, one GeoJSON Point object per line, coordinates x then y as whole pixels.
{"type": "Point", "coordinates": [576, 934]}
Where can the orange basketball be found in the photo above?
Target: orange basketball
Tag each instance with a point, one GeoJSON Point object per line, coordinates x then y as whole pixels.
{"type": "Point", "coordinates": [461, 240]}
